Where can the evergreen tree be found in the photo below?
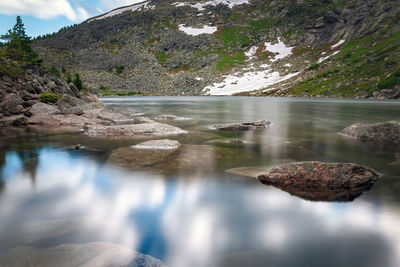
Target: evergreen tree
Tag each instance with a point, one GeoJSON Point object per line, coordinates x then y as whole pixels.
{"type": "Point", "coordinates": [78, 82]}
{"type": "Point", "coordinates": [18, 43]}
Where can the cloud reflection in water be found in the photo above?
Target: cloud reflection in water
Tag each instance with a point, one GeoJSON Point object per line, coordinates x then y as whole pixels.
{"type": "Point", "coordinates": [193, 221]}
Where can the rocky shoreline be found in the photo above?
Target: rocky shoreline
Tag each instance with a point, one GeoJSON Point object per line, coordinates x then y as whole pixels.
{"type": "Point", "coordinates": [22, 105]}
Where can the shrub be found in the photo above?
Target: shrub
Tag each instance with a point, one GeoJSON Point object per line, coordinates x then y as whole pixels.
{"type": "Point", "coordinates": [54, 71]}
{"type": "Point", "coordinates": [49, 98]}
{"type": "Point", "coordinates": [78, 82]}
{"type": "Point", "coordinates": [64, 70]}
{"type": "Point", "coordinates": [391, 81]}
{"type": "Point", "coordinates": [314, 66]}
{"type": "Point", "coordinates": [119, 69]}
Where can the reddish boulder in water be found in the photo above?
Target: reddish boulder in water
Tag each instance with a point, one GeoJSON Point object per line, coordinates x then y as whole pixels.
{"type": "Point", "coordinates": [321, 181]}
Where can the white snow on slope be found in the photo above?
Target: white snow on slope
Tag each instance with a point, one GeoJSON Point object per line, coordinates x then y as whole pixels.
{"type": "Point", "coordinates": [197, 31]}
{"type": "Point", "coordinates": [117, 11]}
{"type": "Point", "coordinates": [248, 81]}
{"type": "Point", "coordinates": [280, 48]}
{"type": "Point", "coordinates": [337, 44]}
{"type": "Point", "coordinates": [252, 51]}
{"type": "Point", "coordinates": [325, 58]}
{"type": "Point", "coordinates": [201, 6]}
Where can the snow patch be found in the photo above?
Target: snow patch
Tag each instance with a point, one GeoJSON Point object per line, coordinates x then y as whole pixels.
{"type": "Point", "coordinates": [199, 78]}
{"type": "Point", "coordinates": [325, 58]}
{"type": "Point", "coordinates": [248, 81]}
{"type": "Point", "coordinates": [337, 44]}
{"type": "Point", "coordinates": [201, 6]}
{"type": "Point", "coordinates": [143, 5]}
{"type": "Point", "coordinates": [252, 51]}
{"type": "Point", "coordinates": [280, 48]}
{"type": "Point", "coordinates": [288, 65]}
{"type": "Point", "coordinates": [197, 31]}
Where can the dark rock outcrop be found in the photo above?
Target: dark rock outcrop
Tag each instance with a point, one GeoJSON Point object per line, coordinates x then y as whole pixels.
{"type": "Point", "coordinates": [244, 126]}
{"type": "Point", "coordinates": [321, 181]}
{"type": "Point", "coordinates": [379, 132]}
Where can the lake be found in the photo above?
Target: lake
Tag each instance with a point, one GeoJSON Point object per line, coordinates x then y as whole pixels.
{"type": "Point", "coordinates": [187, 210]}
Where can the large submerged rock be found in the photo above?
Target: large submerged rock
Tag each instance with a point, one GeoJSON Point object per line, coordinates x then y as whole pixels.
{"type": "Point", "coordinates": [244, 126]}
{"type": "Point", "coordinates": [379, 132]}
{"type": "Point", "coordinates": [143, 154]}
{"type": "Point", "coordinates": [321, 181]}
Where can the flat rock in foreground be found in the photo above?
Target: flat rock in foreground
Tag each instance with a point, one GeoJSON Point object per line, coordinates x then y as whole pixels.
{"type": "Point", "coordinates": [321, 181]}
{"type": "Point", "coordinates": [379, 132]}
{"type": "Point", "coordinates": [244, 126]}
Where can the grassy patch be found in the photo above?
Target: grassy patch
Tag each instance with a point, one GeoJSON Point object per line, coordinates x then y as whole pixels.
{"type": "Point", "coordinates": [364, 65]}
{"type": "Point", "coordinates": [162, 58]}
{"type": "Point", "coordinates": [226, 61]}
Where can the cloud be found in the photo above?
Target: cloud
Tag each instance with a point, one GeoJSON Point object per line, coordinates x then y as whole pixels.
{"type": "Point", "coordinates": [111, 4]}
{"type": "Point", "coordinates": [43, 9]}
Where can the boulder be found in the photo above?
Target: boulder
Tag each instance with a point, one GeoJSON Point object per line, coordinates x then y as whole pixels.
{"type": "Point", "coordinates": [379, 132]}
{"type": "Point", "coordinates": [137, 130]}
{"type": "Point", "coordinates": [244, 126]}
{"type": "Point", "coordinates": [143, 154]}
{"type": "Point", "coordinates": [321, 181]}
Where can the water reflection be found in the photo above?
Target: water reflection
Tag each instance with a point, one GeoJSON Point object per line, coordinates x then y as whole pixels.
{"type": "Point", "coordinates": [188, 223]}
{"type": "Point", "coordinates": [197, 215]}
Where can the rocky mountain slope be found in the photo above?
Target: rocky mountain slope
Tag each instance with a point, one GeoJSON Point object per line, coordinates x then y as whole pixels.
{"type": "Point", "coordinates": [259, 47]}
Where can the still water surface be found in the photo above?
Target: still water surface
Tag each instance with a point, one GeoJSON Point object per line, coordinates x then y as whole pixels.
{"type": "Point", "coordinates": [199, 215]}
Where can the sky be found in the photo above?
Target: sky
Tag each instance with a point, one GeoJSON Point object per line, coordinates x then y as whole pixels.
{"type": "Point", "coordinates": [48, 16]}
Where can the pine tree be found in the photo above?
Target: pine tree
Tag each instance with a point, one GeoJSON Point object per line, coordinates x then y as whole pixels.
{"type": "Point", "coordinates": [78, 82]}
{"type": "Point", "coordinates": [18, 42]}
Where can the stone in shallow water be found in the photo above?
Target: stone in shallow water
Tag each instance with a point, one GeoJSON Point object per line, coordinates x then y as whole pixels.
{"type": "Point", "coordinates": [159, 144]}
{"type": "Point", "coordinates": [137, 130]}
{"type": "Point", "coordinates": [379, 132]}
{"type": "Point", "coordinates": [143, 154]}
{"type": "Point", "coordinates": [321, 181]}
{"type": "Point", "coordinates": [90, 254]}
{"type": "Point", "coordinates": [244, 126]}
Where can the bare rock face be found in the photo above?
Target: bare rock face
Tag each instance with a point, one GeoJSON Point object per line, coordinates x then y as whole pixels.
{"type": "Point", "coordinates": [321, 181]}
{"type": "Point", "coordinates": [379, 132]}
{"type": "Point", "coordinates": [143, 154]}
{"type": "Point", "coordinates": [244, 126]}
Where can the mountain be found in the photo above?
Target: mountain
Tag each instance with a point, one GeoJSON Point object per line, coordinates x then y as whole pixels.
{"type": "Point", "coordinates": [223, 47]}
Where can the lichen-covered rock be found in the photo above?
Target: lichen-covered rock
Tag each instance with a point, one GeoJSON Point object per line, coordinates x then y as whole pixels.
{"type": "Point", "coordinates": [379, 132]}
{"type": "Point", "coordinates": [244, 126]}
{"type": "Point", "coordinates": [321, 181]}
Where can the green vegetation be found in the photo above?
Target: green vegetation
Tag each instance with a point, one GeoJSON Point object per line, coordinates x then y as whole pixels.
{"type": "Point", "coordinates": [64, 70]}
{"type": "Point", "coordinates": [364, 65]}
{"type": "Point", "coordinates": [119, 69]}
{"type": "Point", "coordinates": [49, 98]}
{"type": "Point", "coordinates": [226, 61]}
{"type": "Point", "coordinates": [314, 66]}
{"type": "Point", "coordinates": [106, 92]}
{"type": "Point", "coordinates": [234, 37]}
{"type": "Point", "coordinates": [391, 81]}
{"type": "Point", "coordinates": [78, 82]}
{"type": "Point", "coordinates": [17, 45]}
{"type": "Point", "coordinates": [162, 58]}
{"type": "Point", "coordinates": [54, 71]}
